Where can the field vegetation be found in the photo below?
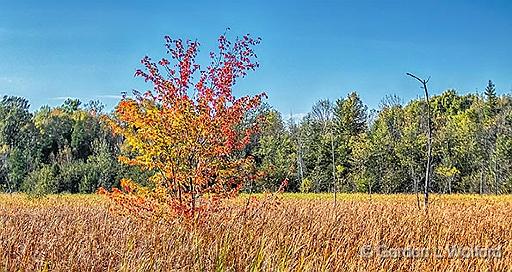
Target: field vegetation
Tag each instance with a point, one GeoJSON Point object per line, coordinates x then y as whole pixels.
{"type": "Point", "coordinates": [292, 232]}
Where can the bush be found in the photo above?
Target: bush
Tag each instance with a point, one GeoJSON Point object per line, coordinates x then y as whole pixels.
{"type": "Point", "coordinates": [41, 181]}
{"type": "Point", "coordinates": [306, 185]}
{"type": "Point", "coordinates": [101, 169]}
{"type": "Point", "coordinates": [70, 176]}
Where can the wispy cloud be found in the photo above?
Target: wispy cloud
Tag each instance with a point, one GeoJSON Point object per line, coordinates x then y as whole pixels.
{"type": "Point", "coordinates": [109, 96]}
{"type": "Point", "coordinates": [87, 98]}
{"type": "Point", "coordinates": [6, 79]}
{"type": "Point", "coordinates": [59, 98]}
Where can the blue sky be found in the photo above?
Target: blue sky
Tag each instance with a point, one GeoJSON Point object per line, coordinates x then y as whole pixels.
{"type": "Point", "coordinates": [311, 50]}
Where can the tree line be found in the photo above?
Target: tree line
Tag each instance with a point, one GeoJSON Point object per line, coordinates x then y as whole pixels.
{"type": "Point", "coordinates": [342, 146]}
{"type": "Point", "coordinates": [338, 146]}
{"type": "Point", "coordinates": [61, 149]}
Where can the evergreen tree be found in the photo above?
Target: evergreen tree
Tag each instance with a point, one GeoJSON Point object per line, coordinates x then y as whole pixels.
{"type": "Point", "coordinates": [492, 100]}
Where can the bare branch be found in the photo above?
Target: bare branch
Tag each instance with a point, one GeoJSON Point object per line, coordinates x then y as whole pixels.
{"type": "Point", "coordinates": [429, 135]}
{"type": "Point", "coordinates": [422, 81]}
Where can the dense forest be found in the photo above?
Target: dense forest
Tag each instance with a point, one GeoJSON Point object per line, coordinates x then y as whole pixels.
{"type": "Point", "coordinates": [62, 149]}
{"type": "Point", "coordinates": [338, 145]}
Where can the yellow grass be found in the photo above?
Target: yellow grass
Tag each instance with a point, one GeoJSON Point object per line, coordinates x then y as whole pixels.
{"type": "Point", "coordinates": [305, 232]}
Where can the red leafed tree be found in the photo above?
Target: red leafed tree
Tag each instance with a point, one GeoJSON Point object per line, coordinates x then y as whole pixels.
{"type": "Point", "coordinates": [187, 129]}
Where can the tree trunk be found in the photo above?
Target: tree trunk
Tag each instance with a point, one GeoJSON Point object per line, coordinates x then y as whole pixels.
{"type": "Point", "coordinates": [496, 175]}
{"type": "Point", "coordinates": [416, 182]}
{"type": "Point", "coordinates": [450, 184]}
{"type": "Point", "coordinates": [429, 142]}
{"type": "Point", "coordinates": [417, 192]}
{"type": "Point", "coordinates": [481, 180]}
{"type": "Point", "coordinates": [333, 164]}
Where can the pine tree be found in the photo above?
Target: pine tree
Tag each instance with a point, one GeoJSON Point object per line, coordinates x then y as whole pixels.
{"type": "Point", "coordinates": [350, 115]}
{"type": "Point", "coordinates": [492, 99]}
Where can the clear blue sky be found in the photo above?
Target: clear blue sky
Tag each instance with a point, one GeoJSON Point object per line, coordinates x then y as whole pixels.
{"type": "Point", "coordinates": [310, 50]}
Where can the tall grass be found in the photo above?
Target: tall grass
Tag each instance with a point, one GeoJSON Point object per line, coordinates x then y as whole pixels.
{"type": "Point", "coordinates": [301, 233]}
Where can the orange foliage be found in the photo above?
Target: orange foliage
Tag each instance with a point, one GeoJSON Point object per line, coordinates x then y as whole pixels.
{"type": "Point", "coordinates": [188, 132]}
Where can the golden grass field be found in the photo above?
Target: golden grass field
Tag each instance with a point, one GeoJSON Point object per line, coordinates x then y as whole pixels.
{"type": "Point", "coordinates": [302, 233]}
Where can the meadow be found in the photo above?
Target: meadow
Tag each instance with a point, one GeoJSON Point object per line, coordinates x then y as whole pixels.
{"type": "Point", "coordinates": [294, 232]}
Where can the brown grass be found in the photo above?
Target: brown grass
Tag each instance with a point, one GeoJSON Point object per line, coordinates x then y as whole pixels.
{"type": "Point", "coordinates": [303, 233]}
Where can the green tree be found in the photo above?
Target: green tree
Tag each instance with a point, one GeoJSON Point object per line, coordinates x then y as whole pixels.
{"type": "Point", "coordinates": [491, 98]}
{"type": "Point", "coordinates": [41, 181]}
{"type": "Point", "coordinates": [18, 142]}
{"type": "Point", "coordinates": [276, 154]}
{"type": "Point", "coordinates": [350, 117]}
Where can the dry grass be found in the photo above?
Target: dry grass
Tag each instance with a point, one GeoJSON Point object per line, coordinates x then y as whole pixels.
{"type": "Point", "coordinates": [303, 233]}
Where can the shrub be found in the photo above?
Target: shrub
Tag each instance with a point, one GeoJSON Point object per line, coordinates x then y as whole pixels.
{"type": "Point", "coordinates": [41, 181]}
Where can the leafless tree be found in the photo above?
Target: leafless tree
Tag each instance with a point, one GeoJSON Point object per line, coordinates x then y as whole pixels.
{"type": "Point", "coordinates": [429, 135]}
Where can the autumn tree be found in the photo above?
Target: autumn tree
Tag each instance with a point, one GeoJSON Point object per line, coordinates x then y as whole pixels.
{"type": "Point", "coordinates": [186, 130]}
